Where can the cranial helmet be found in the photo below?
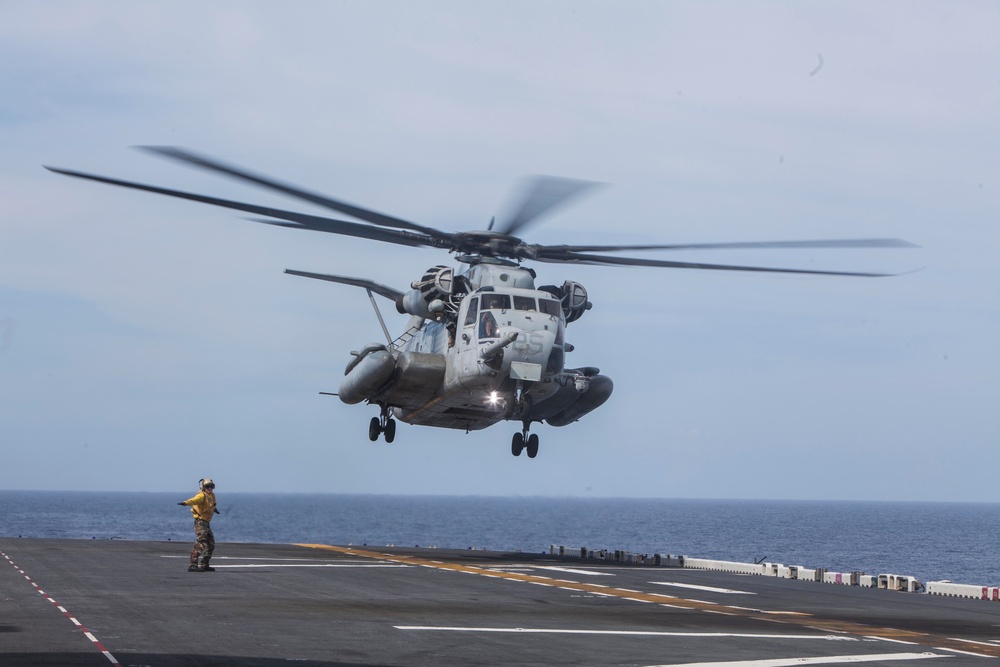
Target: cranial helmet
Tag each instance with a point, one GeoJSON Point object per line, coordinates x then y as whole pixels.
{"type": "Point", "coordinates": [205, 482]}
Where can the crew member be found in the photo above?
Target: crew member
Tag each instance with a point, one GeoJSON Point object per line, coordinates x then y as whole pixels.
{"type": "Point", "coordinates": [203, 508]}
{"type": "Point", "coordinates": [487, 326]}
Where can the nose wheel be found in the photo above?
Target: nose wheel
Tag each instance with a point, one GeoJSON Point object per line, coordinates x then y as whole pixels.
{"type": "Point", "coordinates": [383, 424]}
{"type": "Point", "coordinates": [523, 441]}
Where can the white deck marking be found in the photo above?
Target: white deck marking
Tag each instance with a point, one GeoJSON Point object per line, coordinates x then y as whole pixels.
{"type": "Point", "coordinates": [710, 589]}
{"type": "Point", "coordinates": [87, 633]}
{"type": "Point", "coordinates": [794, 662]}
{"type": "Point", "coordinates": [955, 650]}
{"type": "Point", "coordinates": [509, 568]}
{"type": "Point", "coordinates": [624, 633]}
{"type": "Point", "coordinates": [589, 573]}
{"type": "Point", "coordinates": [973, 641]}
{"type": "Point", "coordinates": [305, 561]}
{"type": "Point", "coordinates": [888, 639]}
{"type": "Point", "coordinates": [348, 565]}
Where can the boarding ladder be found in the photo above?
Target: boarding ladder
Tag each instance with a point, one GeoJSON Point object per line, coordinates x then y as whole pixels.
{"type": "Point", "coordinates": [404, 337]}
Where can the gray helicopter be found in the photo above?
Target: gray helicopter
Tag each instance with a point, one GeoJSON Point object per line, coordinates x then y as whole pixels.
{"type": "Point", "coordinates": [484, 345]}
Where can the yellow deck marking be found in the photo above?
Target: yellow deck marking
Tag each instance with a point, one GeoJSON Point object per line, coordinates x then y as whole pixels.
{"type": "Point", "coordinates": [801, 619]}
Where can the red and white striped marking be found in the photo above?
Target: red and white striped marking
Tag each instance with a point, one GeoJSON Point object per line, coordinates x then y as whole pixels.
{"type": "Point", "coordinates": [86, 632]}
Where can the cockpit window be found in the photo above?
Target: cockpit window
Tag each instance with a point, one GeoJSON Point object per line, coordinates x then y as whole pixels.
{"type": "Point", "coordinates": [488, 326]}
{"type": "Point", "coordinates": [470, 316]}
{"type": "Point", "coordinates": [496, 301]}
{"type": "Point", "coordinates": [550, 307]}
{"type": "Point", "coordinates": [524, 303]}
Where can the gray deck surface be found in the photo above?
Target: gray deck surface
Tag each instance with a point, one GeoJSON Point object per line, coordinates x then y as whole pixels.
{"type": "Point", "coordinates": [270, 605]}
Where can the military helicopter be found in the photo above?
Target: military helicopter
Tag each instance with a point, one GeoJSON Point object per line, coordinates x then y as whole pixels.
{"type": "Point", "coordinates": [483, 345]}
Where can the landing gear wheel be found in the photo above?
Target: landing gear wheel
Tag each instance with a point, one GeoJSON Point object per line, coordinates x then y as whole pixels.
{"type": "Point", "coordinates": [374, 428]}
{"type": "Point", "coordinates": [532, 445]}
{"type": "Point", "coordinates": [517, 444]}
{"type": "Point", "coordinates": [390, 430]}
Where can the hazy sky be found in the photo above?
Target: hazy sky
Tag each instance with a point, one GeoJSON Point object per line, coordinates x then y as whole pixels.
{"type": "Point", "coordinates": [146, 342]}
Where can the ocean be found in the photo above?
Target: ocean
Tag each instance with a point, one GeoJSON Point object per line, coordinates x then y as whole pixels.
{"type": "Point", "coordinates": [931, 541]}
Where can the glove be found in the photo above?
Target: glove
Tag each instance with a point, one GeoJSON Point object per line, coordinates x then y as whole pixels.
{"type": "Point", "coordinates": [181, 503]}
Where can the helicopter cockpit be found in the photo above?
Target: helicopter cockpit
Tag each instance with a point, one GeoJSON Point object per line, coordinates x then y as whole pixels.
{"type": "Point", "coordinates": [492, 307]}
{"type": "Point", "coordinates": [534, 316]}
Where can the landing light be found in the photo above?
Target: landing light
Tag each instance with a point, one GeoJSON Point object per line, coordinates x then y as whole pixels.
{"type": "Point", "coordinates": [494, 398]}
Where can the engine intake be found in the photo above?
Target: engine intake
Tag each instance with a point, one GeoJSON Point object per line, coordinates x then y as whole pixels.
{"type": "Point", "coordinates": [573, 297]}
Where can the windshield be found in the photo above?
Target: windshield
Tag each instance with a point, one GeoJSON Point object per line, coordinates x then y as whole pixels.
{"type": "Point", "coordinates": [470, 316]}
{"type": "Point", "coordinates": [524, 303]}
{"type": "Point", "coordinates": [496, 302]}
{"type": "Point", "coordinates": [550, 307]}
{"type": "Point", "coordinates": [488, 326]}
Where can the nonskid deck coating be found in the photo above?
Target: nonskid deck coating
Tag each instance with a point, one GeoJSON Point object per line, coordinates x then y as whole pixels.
{"type": "Point", "coordinates": [78, 602]}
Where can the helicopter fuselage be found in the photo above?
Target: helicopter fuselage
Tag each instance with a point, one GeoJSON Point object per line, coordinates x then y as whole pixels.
{"type": "Point", "coordinates": [497, 353]}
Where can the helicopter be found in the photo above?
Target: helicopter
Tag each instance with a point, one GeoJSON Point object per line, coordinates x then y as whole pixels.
{"type": "Point", "coordinates": [485, 344]}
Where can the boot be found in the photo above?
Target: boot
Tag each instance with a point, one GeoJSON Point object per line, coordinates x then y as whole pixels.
{"type": "Point", "coordinates": [205, 567]}
{"type": "Point", "coordinates": [193, 567]}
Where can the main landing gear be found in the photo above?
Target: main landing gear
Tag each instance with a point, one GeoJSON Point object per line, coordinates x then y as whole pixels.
{"type": "Point", "coordinates": [382, 424]}
{"type": "Point", "coordinates": [522, 441]}
{"type": "Point", "coordinates": [520, 405]}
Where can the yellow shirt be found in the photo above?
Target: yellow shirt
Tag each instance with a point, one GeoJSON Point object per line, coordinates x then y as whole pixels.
{"type": "Point", "coordinates": [202, 505]}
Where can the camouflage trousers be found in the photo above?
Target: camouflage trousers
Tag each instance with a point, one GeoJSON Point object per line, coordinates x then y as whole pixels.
{"type": "Point", "coordinates": [205, 544]}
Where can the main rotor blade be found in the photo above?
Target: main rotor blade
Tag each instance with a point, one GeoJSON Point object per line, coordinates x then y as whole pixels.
{"type": "Point", "coordinates": [540, 195]}
{"type": "Point", "coordinates": [575, 258]}
{"type": "Point", "coordinates": [293, 219]}
{"type": "Point", "coordinates": [830, 243]}
{"type": "Point", "coordinates": [378, 288]}
{"type": "Point", "coordinates": [358, 212]}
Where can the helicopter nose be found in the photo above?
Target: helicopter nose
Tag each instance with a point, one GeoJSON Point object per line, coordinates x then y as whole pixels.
{"type": "Point", "coordinates": [533, 347]}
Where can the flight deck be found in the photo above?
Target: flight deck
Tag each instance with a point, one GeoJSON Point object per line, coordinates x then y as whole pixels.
{"type": "Point", "coordinates": [100, 602]}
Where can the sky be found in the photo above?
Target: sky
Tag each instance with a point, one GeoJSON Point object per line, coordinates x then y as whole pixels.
{"type": "Point", "coordinates": [147, 342]}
